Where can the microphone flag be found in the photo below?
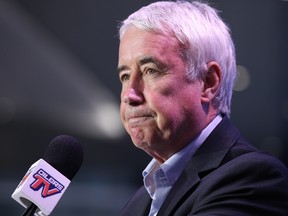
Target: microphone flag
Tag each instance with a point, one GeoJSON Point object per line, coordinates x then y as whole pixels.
{"type": "Point", "coordinates": [43, 185]}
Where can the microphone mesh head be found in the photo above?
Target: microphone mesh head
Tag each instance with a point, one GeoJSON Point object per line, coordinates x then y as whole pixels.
{"type": "Point", "coordinates": [65, 153]}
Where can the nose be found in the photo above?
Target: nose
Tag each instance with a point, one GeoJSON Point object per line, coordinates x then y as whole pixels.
{"type": "Point", "coordinates": [132, 95]}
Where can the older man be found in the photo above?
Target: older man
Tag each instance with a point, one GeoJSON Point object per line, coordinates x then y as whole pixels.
{"type": "Point", "coordinates": [177, 68]}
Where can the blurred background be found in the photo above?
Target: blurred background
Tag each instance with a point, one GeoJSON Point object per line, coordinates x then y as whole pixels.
{"type": "Point", "coordinates": [58, 75]}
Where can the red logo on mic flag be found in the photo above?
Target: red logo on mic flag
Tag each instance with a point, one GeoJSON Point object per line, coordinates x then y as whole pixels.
{"type": "Point", "coordinates": [50, 186]}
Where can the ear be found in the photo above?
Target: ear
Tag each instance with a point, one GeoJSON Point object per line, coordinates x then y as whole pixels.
{"type": "Point", "coordinates": [211, 82]}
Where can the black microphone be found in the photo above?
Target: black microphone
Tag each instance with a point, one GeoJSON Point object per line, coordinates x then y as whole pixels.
{"type": "Point", "coordinates": [48, 178]}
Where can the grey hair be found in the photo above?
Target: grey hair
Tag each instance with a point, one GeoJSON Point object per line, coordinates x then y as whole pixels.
{"type": "Point", "coordinates": [202, 35]}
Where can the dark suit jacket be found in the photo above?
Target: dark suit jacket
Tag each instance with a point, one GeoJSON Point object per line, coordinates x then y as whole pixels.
{"type": "Point", "coordinates": [226, 176]}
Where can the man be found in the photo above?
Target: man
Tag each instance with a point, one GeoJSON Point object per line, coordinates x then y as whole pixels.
{"type": "Point", "coordinates": [177, 68]}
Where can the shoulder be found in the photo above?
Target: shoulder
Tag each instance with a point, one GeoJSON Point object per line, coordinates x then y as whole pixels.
{"type": "Point", "coordinates": [256, 163]}
{"type": "Point", "coordinates": [253, 183]}
{"type": "Point", "coordinates": [246, 158]}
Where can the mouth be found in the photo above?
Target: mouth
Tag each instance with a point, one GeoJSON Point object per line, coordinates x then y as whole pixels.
{"type": "Point", "coordinates": [136, 119]}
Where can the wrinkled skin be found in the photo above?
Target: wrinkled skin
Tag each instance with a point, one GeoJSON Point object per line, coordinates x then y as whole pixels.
{"type": "Point", "coordinates": [161, 109]}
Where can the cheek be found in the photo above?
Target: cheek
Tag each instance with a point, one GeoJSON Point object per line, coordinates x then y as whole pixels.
{"type": "Point", "coordinates": [167, 112]}
{"type": "Point", "coordinates": [122, 111]}
{"type": "Point", "coordinates": [174, 107]}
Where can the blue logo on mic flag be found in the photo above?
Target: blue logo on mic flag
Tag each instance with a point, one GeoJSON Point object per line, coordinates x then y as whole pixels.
{"type": "Point", "coordinates": [49, 185]}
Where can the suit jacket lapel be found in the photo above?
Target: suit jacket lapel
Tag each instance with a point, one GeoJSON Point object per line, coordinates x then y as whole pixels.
{"type": "Point", "coordinates": [208, 157]}
{"type": "Point", "coordinates": [139, 205]}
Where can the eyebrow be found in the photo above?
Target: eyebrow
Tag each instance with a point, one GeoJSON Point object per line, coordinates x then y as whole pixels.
{"type": "Point", "coordinates": [121, 68]}
{"type": "Point", "coordinates": [142, 61]}
{"type": "Point", "coordinates": [151, 59]}
{"type": "Point", "coordinates": [148, 59]}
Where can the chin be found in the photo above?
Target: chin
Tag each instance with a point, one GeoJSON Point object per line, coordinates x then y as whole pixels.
{"type": "Point", "coordinates": [140, 144]}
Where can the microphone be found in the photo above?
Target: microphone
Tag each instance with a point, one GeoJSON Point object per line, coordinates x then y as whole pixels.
{"type": "Point", "coordinates": [47, 179]}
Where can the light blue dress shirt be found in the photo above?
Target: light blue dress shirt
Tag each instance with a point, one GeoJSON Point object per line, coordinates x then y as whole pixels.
{"type": "Point", "coordinates": [159, 178]}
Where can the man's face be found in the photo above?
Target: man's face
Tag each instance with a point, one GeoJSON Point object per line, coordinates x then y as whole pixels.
{"type": "Point", "coordinates": [160, 108]}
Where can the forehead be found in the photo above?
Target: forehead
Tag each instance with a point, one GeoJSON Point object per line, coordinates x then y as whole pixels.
{"type": "Point", "coordinates": [137, 43]}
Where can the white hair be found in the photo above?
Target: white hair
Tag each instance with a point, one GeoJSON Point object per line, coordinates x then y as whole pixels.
{"type": "Point", "coordinates": [202, 35]}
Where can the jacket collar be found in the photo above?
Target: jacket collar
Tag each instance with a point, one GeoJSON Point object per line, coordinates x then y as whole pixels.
{"type": "Point", "coordinates": [208, 157]}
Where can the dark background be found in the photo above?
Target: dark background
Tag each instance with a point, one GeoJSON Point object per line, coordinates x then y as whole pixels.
{"type": "Point", "coordinates": [58, 75]}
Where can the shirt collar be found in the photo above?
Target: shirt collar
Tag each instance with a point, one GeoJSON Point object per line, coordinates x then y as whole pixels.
{"type": "Point", "coordinates": [173, 167]}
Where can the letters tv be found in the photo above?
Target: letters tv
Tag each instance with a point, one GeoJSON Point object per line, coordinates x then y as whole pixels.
{"type": "Point", "coordinates": [50, 186]}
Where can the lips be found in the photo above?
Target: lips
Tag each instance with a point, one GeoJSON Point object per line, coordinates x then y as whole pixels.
{"type": "Point", "coordinates": [137, 117]}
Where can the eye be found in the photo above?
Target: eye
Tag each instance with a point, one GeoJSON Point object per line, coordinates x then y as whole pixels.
{"type": "Point", "coordinates": [150, 71]}
{"type": "Point", "coordinates": [124, 77]}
